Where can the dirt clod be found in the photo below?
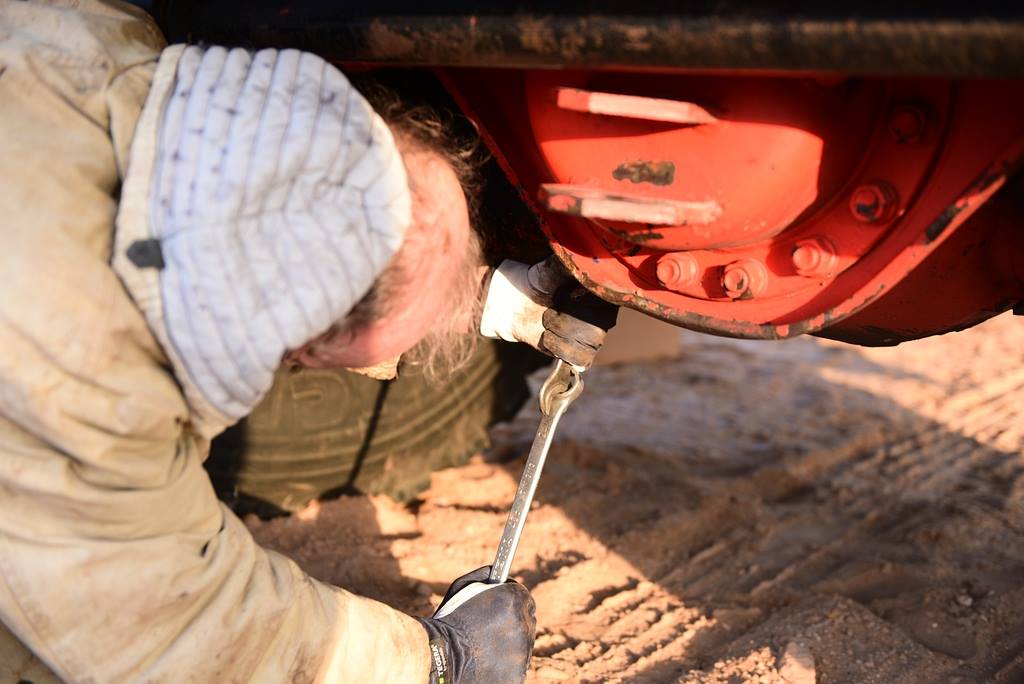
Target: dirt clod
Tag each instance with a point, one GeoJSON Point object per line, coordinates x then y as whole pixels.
{"type": "Point", "coordinates": [796, 665]}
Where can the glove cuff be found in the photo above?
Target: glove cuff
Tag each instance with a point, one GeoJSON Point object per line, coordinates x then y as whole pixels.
{"type": "Point", "coordinates": [440, 653]}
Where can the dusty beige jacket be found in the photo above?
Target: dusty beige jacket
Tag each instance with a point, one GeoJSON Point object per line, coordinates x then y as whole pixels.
{"type": "Point", "coordinates": [117, 563]}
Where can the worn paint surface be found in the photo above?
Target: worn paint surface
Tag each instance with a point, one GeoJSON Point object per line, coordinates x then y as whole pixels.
{"type": "Point", "coordinates": [656, 173]}
{"type": "Point", "coordinates": [991, 180]}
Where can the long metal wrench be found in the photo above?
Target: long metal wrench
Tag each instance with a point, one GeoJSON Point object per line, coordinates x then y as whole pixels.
{"type": "Point", "coordinates": [560, 389]}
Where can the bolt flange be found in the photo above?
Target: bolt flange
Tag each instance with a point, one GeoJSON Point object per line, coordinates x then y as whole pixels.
{"type": "Point", "coordinates": [744, 279]}
{"type": "Point", "coordinates": [814, 257]}
{"type": "Point", "coordinates": [874, 203]}
{"type": "Point", "coordinates": [677, 271]}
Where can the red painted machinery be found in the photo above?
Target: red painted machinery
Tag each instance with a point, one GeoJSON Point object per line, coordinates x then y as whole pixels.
{"type": "Point", "coordinates": [770, 206]}
{"type": "Point", "coordinates": [804, 170]}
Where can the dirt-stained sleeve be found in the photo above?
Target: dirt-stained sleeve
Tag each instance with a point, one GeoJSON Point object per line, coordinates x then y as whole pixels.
{"type": "Point", "coordinates": [157, 582]}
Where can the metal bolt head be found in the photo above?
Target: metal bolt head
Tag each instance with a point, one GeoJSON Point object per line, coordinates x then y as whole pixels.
{"type": "Point", "coordinates": [874, 203]}
{"type": "Point", "coordinates": [814, 257]}
{"type": "Point", "coordinates": [909, 123]}
{"type": "Point", "coordinates": [676, 271]}
{"type": "Point", "coordinates": [744, 279]}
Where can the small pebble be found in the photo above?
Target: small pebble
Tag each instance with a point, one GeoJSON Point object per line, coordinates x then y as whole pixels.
{"type": "Point", "coordinates": [796, 665]}
{"type": "Point", "coordinates": [310, 512]}
{"type": "Point", "coordinates": [965, 600]}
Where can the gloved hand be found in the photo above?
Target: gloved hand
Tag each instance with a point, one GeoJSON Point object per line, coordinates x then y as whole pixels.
{"type": "Point", "coordinates": [543, 306]}
{"type": "Point", "coordinates": [481, 633]}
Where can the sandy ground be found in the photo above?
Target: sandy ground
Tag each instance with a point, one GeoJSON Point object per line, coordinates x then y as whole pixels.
{"type": "Point", "coordinates": [746, 512]}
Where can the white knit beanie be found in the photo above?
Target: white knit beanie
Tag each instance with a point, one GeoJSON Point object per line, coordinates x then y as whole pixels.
{"type": "Point", "coordinates": [263, 197]}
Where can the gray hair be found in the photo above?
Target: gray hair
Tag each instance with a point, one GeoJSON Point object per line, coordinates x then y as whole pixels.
{"type": "Point", "coordinates": [452, 340]}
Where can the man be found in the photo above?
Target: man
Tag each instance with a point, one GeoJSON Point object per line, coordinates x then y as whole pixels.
{"type": "Point", "coordinates": [175, 222]}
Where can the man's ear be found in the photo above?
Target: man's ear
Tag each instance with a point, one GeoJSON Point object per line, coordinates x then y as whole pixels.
{"type": "Point", "coordinates": [321, 350]}
{"type": "Point", "coordinates": [290, 360]}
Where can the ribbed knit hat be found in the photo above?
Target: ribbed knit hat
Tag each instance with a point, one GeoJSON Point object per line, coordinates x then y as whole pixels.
{"type": "Point", "coordinates": [263, 197]}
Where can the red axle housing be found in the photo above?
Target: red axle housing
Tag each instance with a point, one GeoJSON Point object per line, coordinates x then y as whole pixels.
{"type": "Point", "coordinates": [769, 206]}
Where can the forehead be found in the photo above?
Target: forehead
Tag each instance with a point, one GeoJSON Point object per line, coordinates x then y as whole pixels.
{"type": "Point", "coordinates": [430, 168]}
{"type": "Point", "coordinates": [438, 197]}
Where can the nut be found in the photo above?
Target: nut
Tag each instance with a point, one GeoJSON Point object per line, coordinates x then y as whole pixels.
{"type": "Point", "coordinates": [909, 123]}
{"type": "Point", "coordinates": [744, 279]}
{"type": "Point", "coordinates": [874, 203]}
{"type": "Point", "coordinates": [814, 257]}
{"type": "Point", "coordinates": [676, 271]}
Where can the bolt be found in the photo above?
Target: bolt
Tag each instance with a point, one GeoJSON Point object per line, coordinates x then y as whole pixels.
{"type": "Point", "coordinates": [874, 203]}
{"type": "Point", "coordinates": [813, 257]}
{"type": "Point", "coordinates": [676, 271]}
{"type": "Point", "coordinates": [908, 123]}
{"type": "Point", "coordinates": [744, 279]}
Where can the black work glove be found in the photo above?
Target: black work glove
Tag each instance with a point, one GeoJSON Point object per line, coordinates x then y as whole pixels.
{"type": "Point", "coordinates": [543, 306]}
{"type": "Point", "coordinates": [481, 633]}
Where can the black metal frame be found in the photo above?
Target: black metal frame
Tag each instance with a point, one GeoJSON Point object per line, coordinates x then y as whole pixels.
{"type": "Point", "coordinates": [977, 38]}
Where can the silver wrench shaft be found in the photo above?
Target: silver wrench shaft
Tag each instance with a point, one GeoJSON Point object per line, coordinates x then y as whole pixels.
{"type": "Point", "coordinates": [559, 390]}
